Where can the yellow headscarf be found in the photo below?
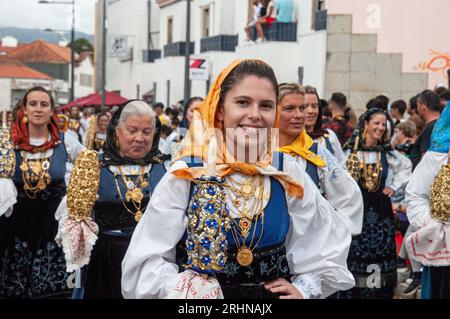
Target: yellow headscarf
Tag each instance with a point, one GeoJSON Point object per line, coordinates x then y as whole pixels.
{"type": "Point", "coordinates": [202, 129]}
{"type": "Point", "coordinates": [300, 147]}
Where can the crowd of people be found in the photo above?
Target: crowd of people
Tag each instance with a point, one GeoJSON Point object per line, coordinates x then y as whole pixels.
{"type": "Point", "coordinates": [258, 190]}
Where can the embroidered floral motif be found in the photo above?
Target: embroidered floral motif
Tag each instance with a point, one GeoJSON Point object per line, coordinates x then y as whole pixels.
{"type": "Point", "coordinates": [25, 275]}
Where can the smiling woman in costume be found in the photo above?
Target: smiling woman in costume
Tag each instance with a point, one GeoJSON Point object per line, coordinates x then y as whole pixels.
{"type": "Point", "coordinates": [245, 224]}
{"type": "Point", "coordinates": [379, 171]}
{"type": "Point", "coordinates": [333, 181]}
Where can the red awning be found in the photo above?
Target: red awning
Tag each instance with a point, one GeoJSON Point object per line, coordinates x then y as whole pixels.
{"type": "Point", "coordinates": [95, 99]}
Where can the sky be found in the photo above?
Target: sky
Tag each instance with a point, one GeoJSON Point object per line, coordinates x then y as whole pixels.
{"type": "Point", "coordinates": [30, 14]}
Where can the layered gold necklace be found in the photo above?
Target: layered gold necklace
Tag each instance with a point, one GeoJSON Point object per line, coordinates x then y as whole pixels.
{"type": "Point", "coordinates": [371, 176]}
{"type": "Point", "coordinates": [35, 175]}
{"type": "Point", "coordinates": [134, 193]}
{"type": "Point", "coordinates": [240, 194]}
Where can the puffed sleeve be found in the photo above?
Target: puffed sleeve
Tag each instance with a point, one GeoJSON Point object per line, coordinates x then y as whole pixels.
{"type": "Point", "coordinates": [336, 145]}
{"type": "Point", "coordinates": [318, 242]}
{"type": "Point", "coordinates": [149, 269]}
{"type": "Point", "coordinates": [419, 186]}
{"type": "Point", "coordinates": [342, 191]}
{"type": "Point", "coordinates": [8, 196]}
{"type": "Point", "coordinates": [73, 146]}
{"type": "Point", "coordinates": [400, 168]}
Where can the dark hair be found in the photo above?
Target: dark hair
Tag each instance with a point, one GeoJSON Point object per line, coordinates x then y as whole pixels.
{"type": "Point", "coordinates": [257, 68]}
{"type": "Point", "coordinates": [430, 99]}
{"type": "Point", "coordinates": [173, 112]}
{"type": "Point", "coordinates": [340, 99]}
{"type": "Point", "coordinates": [102, 114]}
{"type": "Point", "coordinates": [184, 121]}
{"type": "Point", "coordinates": [445, 95]}
{"type": "Point", "coordinates": [176, 121]}
{"type": "Point", "coordinates": [375, 103]}
{"type": "Point", "coordinates": [318, 131]}
{"type": "Point", "coordinates": [166, 130]}
{"type": "Point", "coordinates": [158, 105]}
{"type": "Point", "coordinates": [413, 102]}
{"type": "Point", "coordinates": [400, 106]}
{"type": "Point", "coordinates": [385, 102]}
{"type": "Point", "coordinates": [38, 89]}
{"type": "Point", "coordinates": [325, 111]}
{"type": "Point", "coordinates": [384, 144]}
{"type": "Point", "coordinates": [440, 90]}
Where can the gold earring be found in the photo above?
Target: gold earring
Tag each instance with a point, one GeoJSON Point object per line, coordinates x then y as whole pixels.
{"type": "Point", "coordinates": [25, 119]}
{"type": "Point", "coordinates": [364, 134]}
{"type": "Point", "coordinates": [116, 141]}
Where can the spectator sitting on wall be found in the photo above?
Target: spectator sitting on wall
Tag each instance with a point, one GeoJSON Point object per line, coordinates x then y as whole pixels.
{"type": "Point", "coordinates": [285, 8]}
{"type": "Point", "coordinates": [398, 109]}
{"type": "Point", "coordinates": [256, 15]}
{"type": "Point", "coordinates": [268, 19]}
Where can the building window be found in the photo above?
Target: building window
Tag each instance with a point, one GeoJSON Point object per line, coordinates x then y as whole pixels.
{"type": "Point", "coordinates": [86, 80]}
{"type": "Point", "coordinates": [206, 19]}
{"type": "Point", "coordinates": [169, 30]}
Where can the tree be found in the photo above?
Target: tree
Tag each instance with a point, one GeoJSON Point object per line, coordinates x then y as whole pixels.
{"type": "Point", "coordinates": [81, 45]}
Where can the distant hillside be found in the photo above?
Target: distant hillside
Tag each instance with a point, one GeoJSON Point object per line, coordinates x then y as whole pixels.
{"type": "Point", "coordinates": [30, 35]}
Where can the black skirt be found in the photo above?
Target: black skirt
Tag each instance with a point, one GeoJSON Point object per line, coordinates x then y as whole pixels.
{"type": "Point", "coordinates": [31, 263]}
{"type": "Point", "coordinates": [372, 258]}
{"type": "Point", "coordinates": [104, 271]}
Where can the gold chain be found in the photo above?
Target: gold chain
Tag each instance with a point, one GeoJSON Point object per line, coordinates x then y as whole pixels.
{"type": "Point", "coordinates": [372, 174]}
{"type": "Point", "coordinates": [242, 192]}
{"type": "Point", "coordinates": [134, 192]}
{"type": "Point", "coordinates": [35, 172]}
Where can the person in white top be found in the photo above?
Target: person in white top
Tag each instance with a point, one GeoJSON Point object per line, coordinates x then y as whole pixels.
{"type": "Point", "coordinates": [332, 179]}
{"type": "Point", "coordinates": [269, 18]}
{"type": "Point", "coordinates": [428, 200]}
{"type": "Point", "coordinates": [256, 15]}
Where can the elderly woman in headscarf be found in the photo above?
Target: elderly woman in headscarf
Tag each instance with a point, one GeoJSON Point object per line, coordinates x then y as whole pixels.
{"type": "Point", "coordinates": [239, 224]}
{"type": "Point", "coordinates": [379, 171]}
{"type": "Point", "coordinates": [107, 197]}
{"type": "Point", "coordinates": [428, 199]}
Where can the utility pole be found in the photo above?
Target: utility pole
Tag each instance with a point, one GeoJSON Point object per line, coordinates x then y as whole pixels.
{"type": "Point", "coordinates": [104, 29]}
{"type": "Point", "coordinates": [187, 51]}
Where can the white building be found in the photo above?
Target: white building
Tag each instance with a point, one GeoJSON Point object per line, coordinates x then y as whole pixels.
{"type": "Point", "coordinates": [84, 75]}
{"type": "Point", "coordinates": [324, 47]}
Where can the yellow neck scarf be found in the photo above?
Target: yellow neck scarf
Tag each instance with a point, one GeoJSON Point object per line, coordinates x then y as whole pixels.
{"type": "Point", "coordinates": [300, 147]}
{"type": "Point", "coordinates": [196, 143]}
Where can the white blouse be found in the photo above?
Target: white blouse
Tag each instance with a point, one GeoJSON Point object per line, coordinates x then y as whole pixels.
{"type": "Point", "coordinates": [419, 187]}
{"type": "Point", "coordinates": [339, 188]}
{"type": "Point", "coordinates": [317, 243]}
{"type": "Point", "coordinates": [400, 167]}
{"type": "Point", "coordinates": [9, 192]}
{"type": "Point", "coordinates": [335, 145]}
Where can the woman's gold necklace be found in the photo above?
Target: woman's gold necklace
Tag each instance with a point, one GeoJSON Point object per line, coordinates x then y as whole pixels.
{"type": "Point", "coordinates": [241, 193]}
{"type": "Point", "coordinates": [134, 192]}
{"type": "Point", "coordinates": [35, 175]}
{"type": "Point", "coordinates": [372, 174]}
